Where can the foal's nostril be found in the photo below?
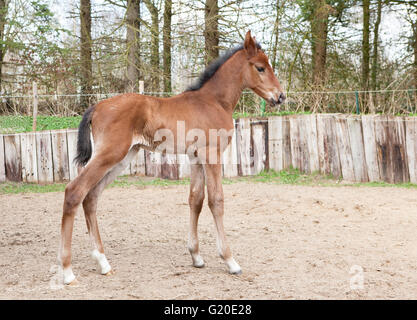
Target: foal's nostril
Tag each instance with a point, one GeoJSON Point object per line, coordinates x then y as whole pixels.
{"type": "Point", "coordinates": [281, 98]}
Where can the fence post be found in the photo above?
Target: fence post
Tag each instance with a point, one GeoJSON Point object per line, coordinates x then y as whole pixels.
{"type": "Point", "coordinates": [357, 102]}
{"type": "Point", "coordinates": [141, 87]}
{"type": "Point", "coordinates": [35, 105]}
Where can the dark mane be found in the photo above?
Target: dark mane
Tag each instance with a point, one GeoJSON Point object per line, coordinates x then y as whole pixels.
{"type": "Point", "coordinates": [214, 66]}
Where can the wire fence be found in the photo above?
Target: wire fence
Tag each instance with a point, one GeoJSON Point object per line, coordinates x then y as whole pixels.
{"type": "Point", "coordinates": [394, 102]}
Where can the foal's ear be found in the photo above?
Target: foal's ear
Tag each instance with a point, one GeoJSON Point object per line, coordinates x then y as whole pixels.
{"type": "Point", "coordinates": [250, 45]}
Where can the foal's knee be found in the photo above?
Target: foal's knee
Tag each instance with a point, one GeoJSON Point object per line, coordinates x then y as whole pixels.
{"type": "Point", "coordinates": [215, 202]}
{"type": "Point", "coordinates": [196, 199]}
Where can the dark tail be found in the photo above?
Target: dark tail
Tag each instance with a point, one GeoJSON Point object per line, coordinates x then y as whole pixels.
{"type": "Point", "coordinates": [84, 149]}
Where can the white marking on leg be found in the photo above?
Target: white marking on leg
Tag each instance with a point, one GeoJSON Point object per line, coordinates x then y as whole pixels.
{"type": "Point", "coordinates": [102, 261]}
{"type": "Point", "coordinates": [68, 275]}
{"type": "Point", "coordinates": [234, 267]}
{"type": "Point", "coordinates": [60, 248]}
{"type": "Point", "coordinates": [198, 261]}
{"type": "Point", "coordinates": [219, 245]}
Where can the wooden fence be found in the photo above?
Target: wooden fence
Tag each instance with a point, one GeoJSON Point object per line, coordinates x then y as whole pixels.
{"type": "Point", "coordinates": [355, 148]}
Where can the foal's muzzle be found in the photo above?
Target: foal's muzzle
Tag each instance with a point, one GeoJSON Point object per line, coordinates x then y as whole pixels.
{"type": "Point", "coordinates": [280, 100]}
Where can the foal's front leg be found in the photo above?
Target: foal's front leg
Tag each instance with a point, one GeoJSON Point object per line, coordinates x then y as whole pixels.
{"type": "Point", "coordinates": [216, 204]}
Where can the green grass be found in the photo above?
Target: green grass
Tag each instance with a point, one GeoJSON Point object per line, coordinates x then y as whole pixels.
{"type": "Point", "coordinates": [291, 176]}
{"type": "Point", "coordinates": [124, 181]}
{"type": "Point", "coordinates": [287, 177]}
{"type": "Point", "coordinates": [18, 124]}
{"type": "Point", "coordinates": [13, 188]}
{"type": "Point", "coordinates": [127, 181]}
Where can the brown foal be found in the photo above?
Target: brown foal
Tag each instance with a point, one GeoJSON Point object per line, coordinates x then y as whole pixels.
{"type": "Point", "coordinates": [123, 124]}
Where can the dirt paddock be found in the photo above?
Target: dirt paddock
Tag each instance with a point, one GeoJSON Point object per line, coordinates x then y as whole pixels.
{"type": "Point", "coordinates": [291, 242]}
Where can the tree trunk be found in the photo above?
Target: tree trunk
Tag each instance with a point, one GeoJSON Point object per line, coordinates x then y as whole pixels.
{"type": "Point", "coordinates": [3, 14]}
{"type": "Point", "coordinates": [167, 45]}
{"type": "Point", "coordinates": [133, 45]}
{"type": "Point", "coordinates": [154, 45]}
{"type": "Point", "coordinates": [375, 45]}
{"type": "Point", "coordinates": [211, 30]}
{"type": "Point", "coordinates": [86, 63]}
{"type": "Point", "coordinates": [365, 47]}
{"type": "Point", "coordinates": [374, 69]}
{"type": "Point", "coordinates": [276, 35]}
{"type": "Point", "coordinates": [319, 29]}
{"type": "Point", "coordinates": [415, 51]}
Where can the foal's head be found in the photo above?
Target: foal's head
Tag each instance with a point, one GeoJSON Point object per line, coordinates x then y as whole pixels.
{"type": "Point", "coordinates": [258, 73]}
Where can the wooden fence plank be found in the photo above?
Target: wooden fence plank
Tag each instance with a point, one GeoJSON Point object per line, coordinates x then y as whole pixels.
{"type": "Point", "coordinates": [126, 170]}
{"type": "Point", "coordinates": [275, 143]}
{"type": "Point", "coordinates": [184, 168]}
{"type": "Point", "coordinates": [29, 158]}
{"type": "Point", "coordinates": [399, 150]}
{"type": "Point", "coordinates": [60, 155]}
{"type": "Point", "coordinates": [137, 165]}
{"type": "Point", "coordinates": [411, 143]}
{"type": "Point", "coordinates": [310, 130]}
{"type": "Point", "coordinates": [371, 159]}
{"type": "Point", "coordinates": [229, 159]}
{"type": "Point", "coordinates": [153, 164]}
{"type": "Point", "coordinates": [12, 156]}
{"type": "Point", "coordinates": [322, 144]}
{"type": "Point", "coordinates": [296, 154]}
{"type": "Point", "coordinates": [243, 140]}
{"type": "Point", "coordinates": [286, 143]}
{"type": "Point", "coordinates": [391, 149]}
{"type": "Point", "coordinates": [381, 131]}
{"type": "Point", "coordinates": [2, 160]}
{"type": "Point", "coordinates": [259, 147]}
{"type": "Point", "coordinates": [72, 152]}
{"type": "Point", "coordinates": [169, 167]}
{"type": "Point", "coordinates": [44, 157]}
{"type": "Point", "coordinates": [345, 151]}
{"type": "Point", "coordinates": [302, 122]}
{"type": "Point", "coordinates": [328, 151]}
{"type": "Point", "coordinates": [299, 144]}
{"type": "Point", "coordinates": [358, 151]}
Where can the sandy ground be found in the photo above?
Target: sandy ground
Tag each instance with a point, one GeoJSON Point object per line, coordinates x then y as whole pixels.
{"type": "Point", "coordinates": [291, 242]}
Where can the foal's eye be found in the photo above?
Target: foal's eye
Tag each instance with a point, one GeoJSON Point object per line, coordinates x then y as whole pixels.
{"type": "Point", "coordinates": [260, 69]}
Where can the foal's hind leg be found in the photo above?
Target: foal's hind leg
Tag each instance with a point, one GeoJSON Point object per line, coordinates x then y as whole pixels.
{"type": "Point", "coordinates": [75, 193]}
{"type": "Point", "coordinates": [90, 208]}
{"type": "Point", "coordinates": [216, 204]}
{"type": "Point", "coordinates": [195, 200]}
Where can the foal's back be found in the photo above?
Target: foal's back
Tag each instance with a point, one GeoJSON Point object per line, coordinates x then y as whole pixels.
{"type": "Point", "coordinates": [143, 115]}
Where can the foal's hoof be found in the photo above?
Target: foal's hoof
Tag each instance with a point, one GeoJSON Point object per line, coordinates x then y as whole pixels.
{"type": "Point", "coordinates": [236, 272]}
{"type": "Point", "coordinates": [234, 267]}
{"type": "Point", "coordinates": [110, 273]}
{"type": "Point", "coordinates": [73, 283]}
{"type": "Point", "coordinates": [198, 261]}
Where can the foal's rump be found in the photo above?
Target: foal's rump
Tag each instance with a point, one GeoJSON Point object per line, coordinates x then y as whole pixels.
{"type": "Point", "coordinates": [106, 130]}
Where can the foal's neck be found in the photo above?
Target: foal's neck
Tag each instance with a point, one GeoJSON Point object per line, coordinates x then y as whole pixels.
{"type": "Point", "coordinates": [226, 85]}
